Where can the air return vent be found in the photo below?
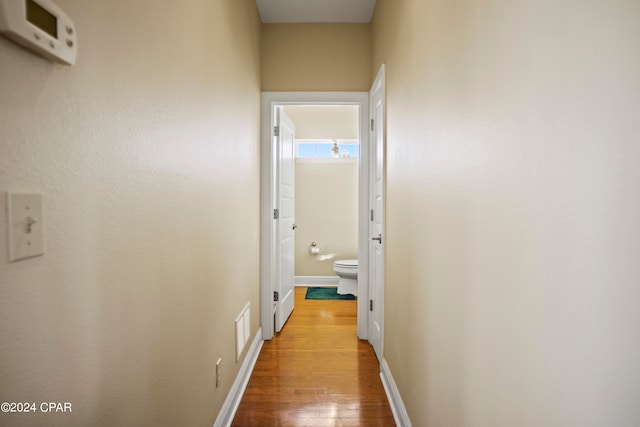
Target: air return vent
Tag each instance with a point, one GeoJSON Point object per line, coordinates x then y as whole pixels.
{"type": "Point", "coordinates": [243, 329]}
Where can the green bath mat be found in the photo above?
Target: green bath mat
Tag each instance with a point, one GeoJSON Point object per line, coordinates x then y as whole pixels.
{"type": "Point", "coordinates": [327, 293]}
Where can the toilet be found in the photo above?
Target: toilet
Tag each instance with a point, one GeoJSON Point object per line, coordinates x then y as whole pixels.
{"type": "Point", "coordinates": [347, 271]}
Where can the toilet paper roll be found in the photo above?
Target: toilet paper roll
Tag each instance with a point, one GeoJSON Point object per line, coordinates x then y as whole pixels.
{"type": "Point", "coordinates": [315, 250]}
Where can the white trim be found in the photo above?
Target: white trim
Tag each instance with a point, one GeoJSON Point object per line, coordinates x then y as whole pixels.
{"type": "Point", "coordinates": [267, 199]}
{"type": "Point", "coordinates": [400, 415]}
{"type": "Point", "coordinates": [231, 403]}
{"type": "Point", "coordinates": [327, 160]}
{"type": "Point", "coordinates": [327, 141]}
{"type": "Point", "coordinates": [315, 281]}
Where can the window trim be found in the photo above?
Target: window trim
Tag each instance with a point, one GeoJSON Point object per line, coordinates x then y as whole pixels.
{"type": "Point", "coordinates": [327, 141]}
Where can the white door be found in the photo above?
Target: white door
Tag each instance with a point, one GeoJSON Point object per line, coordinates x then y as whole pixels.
{"type": "Point", "coordinates": [285, 135]}
{"type": "Point", "coordinates": [376, 224]}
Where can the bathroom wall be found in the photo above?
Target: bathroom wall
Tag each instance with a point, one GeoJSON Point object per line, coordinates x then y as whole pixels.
{"type": "Point", "coordinates": [316, 57]}
{"type": "Point", "coordinates": [147, 156]}
{"type": "Point", "coordinates": [512, 273]}
{"type": "Point", "coordinates": [326, 212]}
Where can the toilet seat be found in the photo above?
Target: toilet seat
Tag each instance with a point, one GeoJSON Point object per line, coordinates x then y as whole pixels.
{"type": "Point", "coordinates": [347, 268]}
{"type": "Point", "coordinates": [346, 263]}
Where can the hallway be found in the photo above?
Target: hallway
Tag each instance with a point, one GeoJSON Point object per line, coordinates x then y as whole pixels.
{"type": "Point", "coordinates": [511, 140]}
{"type": "Point", "coordinates": [316, 373]}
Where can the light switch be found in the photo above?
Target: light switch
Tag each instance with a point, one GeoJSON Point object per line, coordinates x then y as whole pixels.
{"type": "Point", "coordinates": [25, 225]}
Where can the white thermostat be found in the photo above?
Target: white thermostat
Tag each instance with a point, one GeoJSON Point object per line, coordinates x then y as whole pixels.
{"type": "Point", "coordinates": [41, 26]}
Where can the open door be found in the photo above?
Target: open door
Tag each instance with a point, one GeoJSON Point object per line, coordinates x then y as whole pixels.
{"type": "Point", "coordinates": [376, 224]}
{"type": "Point", "coordinates": [284, 134]}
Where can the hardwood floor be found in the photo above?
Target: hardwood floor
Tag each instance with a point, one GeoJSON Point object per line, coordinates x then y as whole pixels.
{"type": "Point", "coordinates": [316, 373]}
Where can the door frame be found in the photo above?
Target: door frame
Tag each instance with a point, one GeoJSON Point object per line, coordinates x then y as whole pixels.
{"type": "Point", "coordinates": [268, 238]}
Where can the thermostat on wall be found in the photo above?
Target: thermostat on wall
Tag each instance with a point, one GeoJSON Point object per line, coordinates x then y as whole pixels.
{"type": "Point", "coordinates": [41, 26]}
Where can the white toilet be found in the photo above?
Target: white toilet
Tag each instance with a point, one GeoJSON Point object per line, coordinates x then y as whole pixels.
{"type": "Point", "coordinates": [347, 271]}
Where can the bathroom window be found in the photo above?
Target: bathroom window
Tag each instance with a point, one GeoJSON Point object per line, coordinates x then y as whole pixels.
{"type": "Point", "coordinates": [325, 149]}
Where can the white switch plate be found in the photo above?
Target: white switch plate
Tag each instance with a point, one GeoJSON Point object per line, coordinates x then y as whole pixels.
{"type": "Point", "coordinates": [25, 225]}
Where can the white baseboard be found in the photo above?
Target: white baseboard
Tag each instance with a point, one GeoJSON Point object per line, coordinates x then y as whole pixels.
{"type": "Point", "coordinates": [231, 403]}
{"type": "Point", "coordinates": [314, 281]}
{"type": "Point", "coordinates": [393, 395]}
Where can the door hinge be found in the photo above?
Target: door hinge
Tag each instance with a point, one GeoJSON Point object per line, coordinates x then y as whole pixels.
{"type": "Point", "coordinates": [371, 214]}
{"type": "Point", "coordinates": [371, 125]}
{"type": "Point", "coordinates": [276, 214]}
{"type": "Point", "coordinates": [370, 305]}
{"type": "Point", "coordinates": [276, 296]}
{"type": "Point", "coordinates": [276, 131]}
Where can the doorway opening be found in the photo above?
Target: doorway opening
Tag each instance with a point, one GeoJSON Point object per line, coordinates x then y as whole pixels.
{"type": "Point", "coordinates": [326, 166]}
{"type": "Point", "coordinates": [282, 148]}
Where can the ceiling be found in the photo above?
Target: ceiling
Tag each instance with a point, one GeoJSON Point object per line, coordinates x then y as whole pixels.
{"type": "Point", "coordinates": [315, 11]}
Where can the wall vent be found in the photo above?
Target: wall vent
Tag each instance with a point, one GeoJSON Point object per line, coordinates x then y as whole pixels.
{"type": "Point", "coordinates": [243, 330]}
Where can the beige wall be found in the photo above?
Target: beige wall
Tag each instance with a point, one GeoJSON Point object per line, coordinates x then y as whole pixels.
{"type": "Point", "coordinates": [513, 202]}
{"type": "Point", "coordinates": [316, 57]}
{"type": "Point", "coordinates": [146, 153]}
{"type": "Point", "coordinates": [327, 213]}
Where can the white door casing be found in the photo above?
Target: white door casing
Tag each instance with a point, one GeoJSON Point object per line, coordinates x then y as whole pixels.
{"type": "Point", "coordinates": [376, 223]}
{"type": "Point", "coordinates": [269, 165]}
{"type": "Point", "coordinates": [285, 141]}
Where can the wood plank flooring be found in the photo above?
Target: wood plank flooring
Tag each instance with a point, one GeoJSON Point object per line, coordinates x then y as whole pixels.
{"type": "Point", "coordinates": [316, 373]}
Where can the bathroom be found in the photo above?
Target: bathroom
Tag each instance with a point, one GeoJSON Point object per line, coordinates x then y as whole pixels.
{"type": "Point", "coordinates": [326, 195]}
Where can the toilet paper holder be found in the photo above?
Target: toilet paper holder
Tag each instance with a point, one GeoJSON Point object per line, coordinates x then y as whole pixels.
{"type": "Point", "coordinates": [314, 249]}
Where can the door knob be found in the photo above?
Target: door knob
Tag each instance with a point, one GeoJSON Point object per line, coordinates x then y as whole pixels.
{"type": "Point", "coordinates": [294, 227]}
{"type": "Point", "coordinates": [379, 238]}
